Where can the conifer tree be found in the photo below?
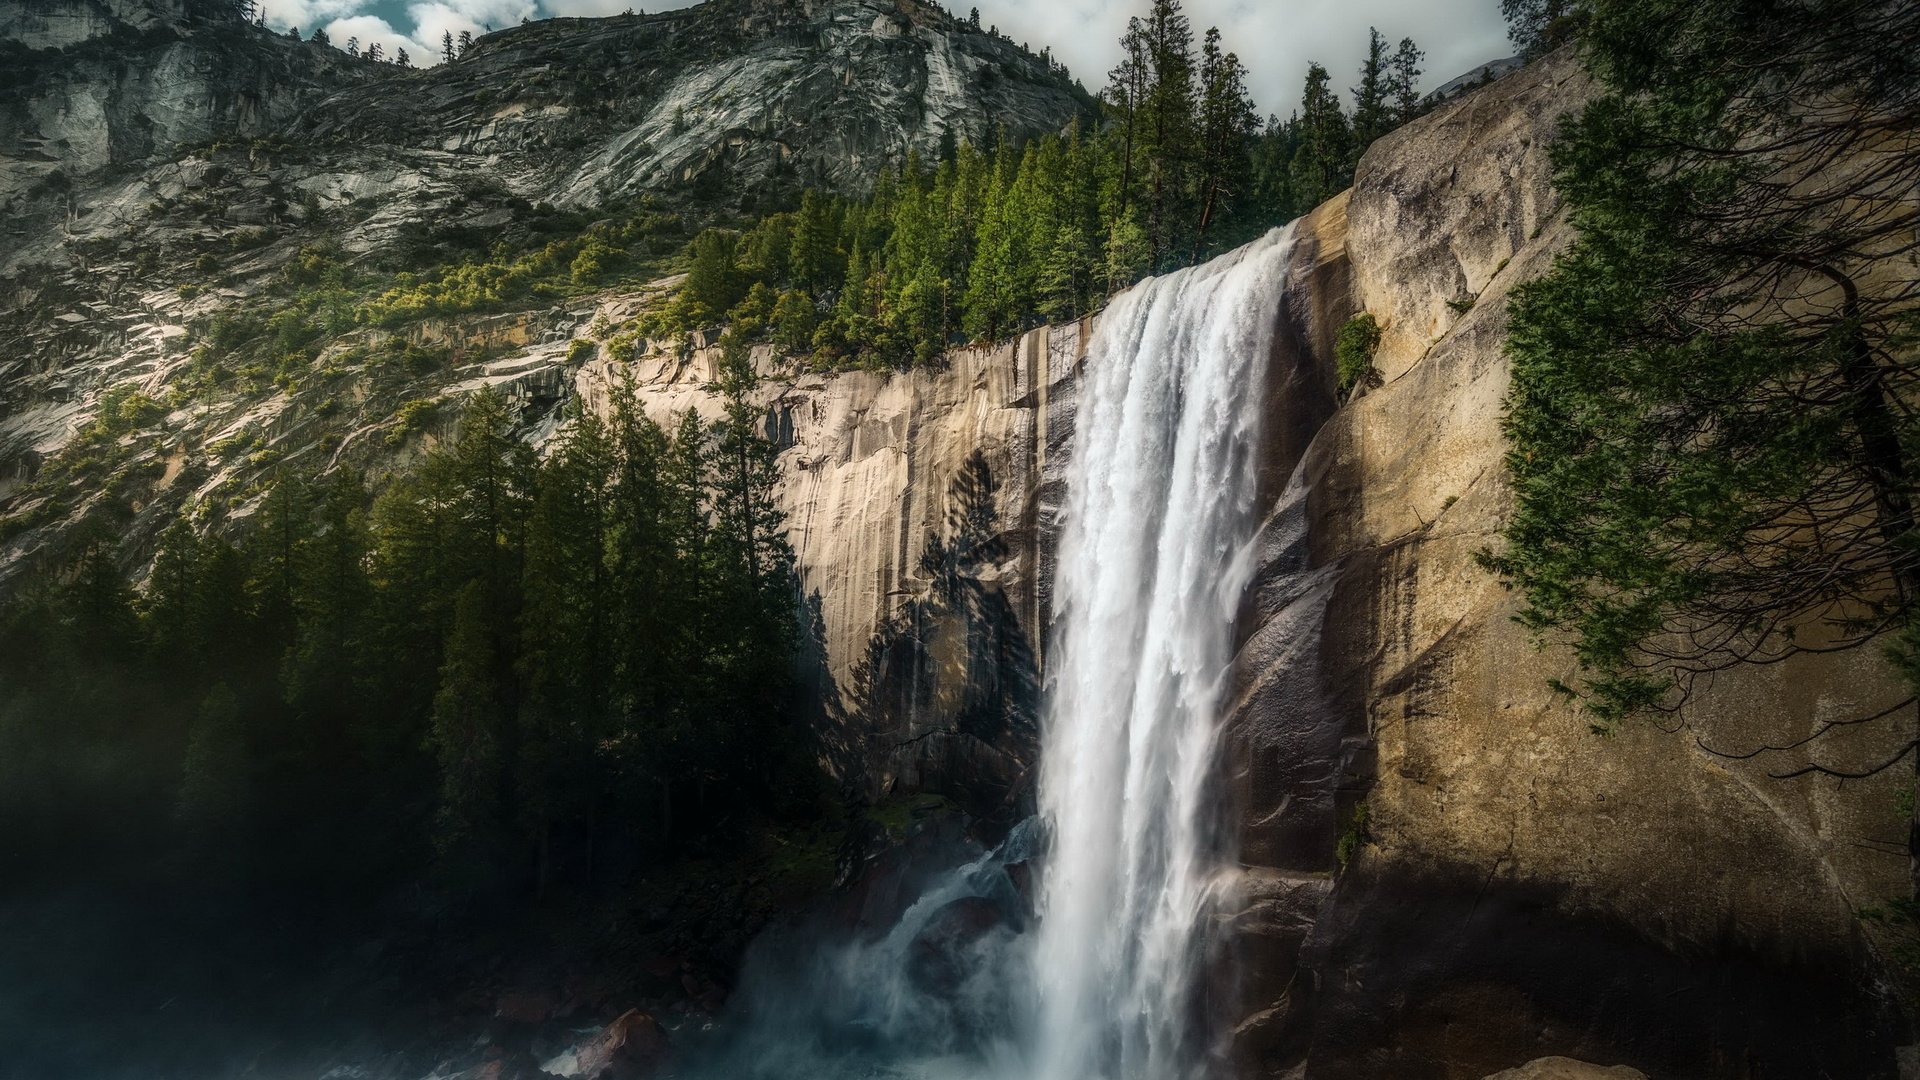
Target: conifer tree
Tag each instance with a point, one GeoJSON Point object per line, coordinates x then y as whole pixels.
{"type": "Point", "coordinates": [468, 739]}
{"type": "Point", "coordinates": [714, 279]}
{"type": "Point", "coordinates": [1372, 107]}
{"type": "Point", "coordinates": [1404, 83]}
{"type": "Point", "coordinates": [1320, 164]}
{"type": "Point", "coordinates": [273, 549]}
{"type": "Point", "coordinates": [1168, 131]}
{"type": "Point", "coordinates": [466, 42]}
{"type": "Point", "coordinates": [1227, 125]}
{"type": "Point", "coordinates": [446, 47]}
{"type": "Point", "coordinates": [331, 599]}
{"type": "Point", "coordinates": [213, 803]}
{"type": "Point", "coordinates": [1126, 100]}
{"type": "Point", "coordinates": [567, 641]}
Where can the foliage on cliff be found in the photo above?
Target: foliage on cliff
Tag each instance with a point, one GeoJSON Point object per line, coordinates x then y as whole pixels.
{"type": "Point", "coordinates": [1713, 438]}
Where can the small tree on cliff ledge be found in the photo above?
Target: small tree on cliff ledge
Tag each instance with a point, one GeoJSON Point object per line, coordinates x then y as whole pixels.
{"type": "Point", "coordinates": [1712, 418]}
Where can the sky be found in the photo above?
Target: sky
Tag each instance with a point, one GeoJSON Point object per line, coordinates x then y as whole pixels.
{"type": "Point", "coordinates": [1275, 38]}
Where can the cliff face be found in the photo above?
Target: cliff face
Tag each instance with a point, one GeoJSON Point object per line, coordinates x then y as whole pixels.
{"type": "Point", "coordinates": [920, 507]}
{"type": "Point", "coordinates": [1514, 886]}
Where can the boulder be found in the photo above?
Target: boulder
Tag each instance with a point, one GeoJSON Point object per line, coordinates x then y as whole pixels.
{"type": "Point", "coordinates": [632, 1047]}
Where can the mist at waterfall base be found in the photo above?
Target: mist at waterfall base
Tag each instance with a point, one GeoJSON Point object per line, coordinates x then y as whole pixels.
{"type": "Point", "coordinates": [1072, 950]}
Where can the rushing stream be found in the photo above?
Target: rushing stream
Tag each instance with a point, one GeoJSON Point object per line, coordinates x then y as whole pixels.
{"type": "Point", "coordinates": [1153, 559]}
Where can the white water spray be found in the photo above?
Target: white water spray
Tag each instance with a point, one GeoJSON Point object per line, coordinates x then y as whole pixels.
{"type": "Point", "coordinates": [1153, 560]}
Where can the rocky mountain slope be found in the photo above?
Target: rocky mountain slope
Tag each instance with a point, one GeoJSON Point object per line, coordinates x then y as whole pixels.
{"type": "Point", "coordinates": [164, 169]}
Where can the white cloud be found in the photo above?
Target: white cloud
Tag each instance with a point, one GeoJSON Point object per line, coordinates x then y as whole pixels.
{"type": "Point", "coordinates": [307, 14]}
{"type": "Point", "coordinates": [372, 28]}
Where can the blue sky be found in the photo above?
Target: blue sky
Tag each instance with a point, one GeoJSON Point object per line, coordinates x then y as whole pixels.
{"type": "Point", "coordinates": [1276, 38]}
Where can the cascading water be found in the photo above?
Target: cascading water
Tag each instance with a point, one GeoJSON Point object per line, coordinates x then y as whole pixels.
{"type": "Point", "coordinates": [1154, 556]}
{"type": "Point", "coordinates": [1153, 560]}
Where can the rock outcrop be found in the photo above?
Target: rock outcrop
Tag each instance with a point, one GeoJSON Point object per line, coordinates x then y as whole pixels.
{"type": "Point", "coordinates": [1448, 872]}
{"type": "Point", "coordinates": [920, 507]}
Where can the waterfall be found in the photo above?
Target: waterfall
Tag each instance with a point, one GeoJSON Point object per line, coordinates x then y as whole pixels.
{"type": "Point", "coordinates": [1155, 552]}
{"type": "Point", "coordinates": [1153, 559]}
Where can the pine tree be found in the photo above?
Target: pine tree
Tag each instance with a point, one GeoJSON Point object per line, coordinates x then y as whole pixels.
{"type": "Point", "coordinates": [167, 610]}
{"type": "Point", "coordinates": [815, 258]}
{"type": "Point", "coordinates": [1227, 125]}
{"type": "Point", "coordinates": [1404, 83]}
{"type": "Point", "coordinates": [643, 571]}
{"type": "Point", "coordinates": [331, 598]}
{"type": "Point", "coordinates": [466, 42]}
{"type": "Point", "coordinates": [213, 804]}
{"type": "Point", "coordinates": [374, 52]}
{"type": "Point", "coordinates": [353, 46]}
{"type": "Point", "coordinates": [468, 741]}
{"type": "Point", "coordinates": [751, 567]}
{"type": "Point", "coordinates": [447, 54]}
{"type": "Point", "coordinates": [1168, 131]}
{"type": "Point", "coordinates": [1537, 27]}
{"type": "Point", "coordinates": [1126, 98]}
{"type": "Point", "coordinates": [992, 298]}
{"type": "Point", "coordinates": [714, 280]}
{"type": "Point", "coordinates": [567, 641]}
{"type": "Point", "coordinates": [320, 37]}
{"type": "Point", "coordinates": [273, 549]}
{"type": "Point", "coordinates": [401, 59]}
{"type": "Point", "coordinates": [1372, 110]}
{"type": "Point", "coordinates": [1320, 164]}
{"type": "Point", "coordinates": [1711, 453]}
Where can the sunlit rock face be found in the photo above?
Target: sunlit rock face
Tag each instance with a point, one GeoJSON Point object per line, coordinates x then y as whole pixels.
{"type": "Point", "coordinates": [1517, 887]}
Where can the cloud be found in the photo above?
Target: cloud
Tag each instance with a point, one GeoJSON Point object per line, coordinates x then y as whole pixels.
{"type": "Point", "coordinates": [372, 28]}
{"type": "Point", "coordinates": [434, 18]}
{"type": "Point", "coordinates": [307, 14]}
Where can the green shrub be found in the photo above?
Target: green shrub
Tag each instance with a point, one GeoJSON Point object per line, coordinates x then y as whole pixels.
{"type": "Point", "coordinates": [412, 416]}
{"type": "Point", "coordinates": [1354, 835]}
{"type": "Point", "coordinates": [581, 351]}
{"type": "Point", "coordinates": [1353, 350]}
